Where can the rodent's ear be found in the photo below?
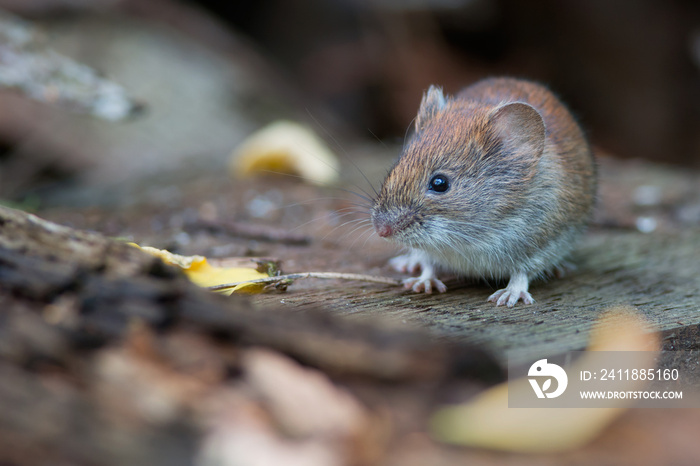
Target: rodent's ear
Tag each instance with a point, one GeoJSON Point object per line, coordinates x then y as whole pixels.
{"type": "Point", "coordinates": [433, 101]}
{"type": "Point", "coordinates": [520, 128]}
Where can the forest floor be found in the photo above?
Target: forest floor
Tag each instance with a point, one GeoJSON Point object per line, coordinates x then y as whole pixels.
{"type": "Point", "coordinates": [642, 250]}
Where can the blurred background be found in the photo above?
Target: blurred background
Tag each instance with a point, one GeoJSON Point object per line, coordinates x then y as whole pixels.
{"type": "Point", "coordinates": [205, 74]}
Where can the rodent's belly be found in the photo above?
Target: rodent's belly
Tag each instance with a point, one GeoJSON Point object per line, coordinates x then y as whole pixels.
{"type": "Point", "coordinates": [475, 263]}
{"type": "Point", "coordinates": [502, 260]}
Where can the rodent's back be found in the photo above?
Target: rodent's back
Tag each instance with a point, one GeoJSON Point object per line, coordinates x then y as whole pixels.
{"type": "Point", "coordinates": [562, 131]}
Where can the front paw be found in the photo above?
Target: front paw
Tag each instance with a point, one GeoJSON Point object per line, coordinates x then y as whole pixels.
{"type": "Point", "coordinates": [407, 263]}
{"type": "Point", "coordinates": [420, 284]}
{"type": "Point", "coordinates": [510, 297]}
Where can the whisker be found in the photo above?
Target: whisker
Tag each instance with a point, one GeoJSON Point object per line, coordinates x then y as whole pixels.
{"type": "Point", "coordinates": [366, 196]}
{"type": "Point", "coordinates": [372, 233]}
{"type": "Point", "coordinates": [377, 138]}
{"type": "Point", "coordinates": [276, 173]}
{"type": "Point", "coordinates": [347, 156]}
{"type": "Point", "coordinates": [362, 225]}
{"type": "Point", "coordinates": [408, 128]}
{"type": "Point", "coordinates": [326, 215]}
{"type": "Point", "coordinates": [315, 219]}
{"type": "Point", "coordinates": [358, 238]}
{"type": "Point", "coordinates": [346, 214]}
{"type": "Point", "coordinates": [311, 201]}
{"type": "Point", "coordinates": [361, 222]}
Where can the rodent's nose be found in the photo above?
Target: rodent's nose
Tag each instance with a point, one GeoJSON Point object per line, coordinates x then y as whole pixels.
{"type": "Point", "coordinates": [384, 230]}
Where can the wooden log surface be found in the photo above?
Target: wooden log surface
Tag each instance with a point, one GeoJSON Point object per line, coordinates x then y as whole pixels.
{"type": "Point", "coordinates": [616, 263]}
{"type": "Point", "coordinates": [109, 283]}
{"type": "Point", "coordinates": [658, 274]}
{"type": "Point", "coordinates": [643, 249]}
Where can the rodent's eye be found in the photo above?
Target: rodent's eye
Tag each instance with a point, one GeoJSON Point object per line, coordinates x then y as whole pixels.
{"type": "Point", "coordinates": [439, 184]}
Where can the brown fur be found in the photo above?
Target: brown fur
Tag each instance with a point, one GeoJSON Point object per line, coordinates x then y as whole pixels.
{"type": "Point", "coordinates": [522, 180]}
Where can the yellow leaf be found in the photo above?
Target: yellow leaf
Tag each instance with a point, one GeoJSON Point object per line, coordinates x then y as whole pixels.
{"type": "Point", "coordinates": [184, 262]}
{"type": "Point", "coordinates": [286, 147]}
{"type": "Point", "coordinates": [249, 288]}
{"type": "Point", "coordinates": [201, 273]}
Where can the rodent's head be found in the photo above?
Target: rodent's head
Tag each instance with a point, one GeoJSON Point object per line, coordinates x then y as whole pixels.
{"type": "Point", "coordinates": [462, 176]}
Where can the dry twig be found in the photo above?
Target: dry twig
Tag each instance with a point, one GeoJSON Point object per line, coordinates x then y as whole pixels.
{"type": "Point", "coordinates": [288, 278]}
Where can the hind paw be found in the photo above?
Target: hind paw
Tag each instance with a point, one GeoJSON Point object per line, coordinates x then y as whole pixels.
{"type": "Point", "coordinates": [427, 285]}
